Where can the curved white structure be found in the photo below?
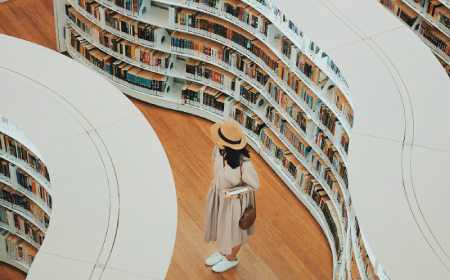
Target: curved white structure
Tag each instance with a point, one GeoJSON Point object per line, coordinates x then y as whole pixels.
{"type": "Point", "coordinates": [394, 117]}
{"type": "Point", "coordinates": [398, 153]}
{"type": "Point", "coordinates": [107, 194]}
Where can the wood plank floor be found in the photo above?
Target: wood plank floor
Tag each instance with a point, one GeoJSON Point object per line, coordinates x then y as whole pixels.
{"type": "Point", "coordinates": [288, 243]}
{"type": "Point", "coordinates": [8, 272]}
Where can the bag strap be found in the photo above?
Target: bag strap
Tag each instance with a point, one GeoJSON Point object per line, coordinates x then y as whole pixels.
{"type": "Point", "coordinates": [254, 197]}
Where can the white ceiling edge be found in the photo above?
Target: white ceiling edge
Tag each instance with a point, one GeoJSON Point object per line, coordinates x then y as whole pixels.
{"type": "Point", "coordinates": [386, 56]}
{"type": "Point", "coordinates": [97, 147]}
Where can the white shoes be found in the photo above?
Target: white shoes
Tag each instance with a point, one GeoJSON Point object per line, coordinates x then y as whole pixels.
{"type": "Point", "coordinates": [215, 258]}
{"type": "Point", "coordinates": [224, 264]}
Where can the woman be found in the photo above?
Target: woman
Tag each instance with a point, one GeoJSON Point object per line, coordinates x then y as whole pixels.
{"type": "Point", "coordinates": [232, 167]}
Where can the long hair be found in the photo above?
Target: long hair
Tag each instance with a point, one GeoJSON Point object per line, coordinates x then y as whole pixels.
{"type": "Point", "coordinates": [233, 157]}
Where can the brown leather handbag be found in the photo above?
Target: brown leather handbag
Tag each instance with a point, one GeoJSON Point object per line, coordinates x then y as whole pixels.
{"type": "Point", "coordinates": [249, 216]}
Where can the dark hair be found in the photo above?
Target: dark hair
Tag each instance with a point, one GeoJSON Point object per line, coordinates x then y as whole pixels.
{"type": "Point", "coordinates": [233, 157]}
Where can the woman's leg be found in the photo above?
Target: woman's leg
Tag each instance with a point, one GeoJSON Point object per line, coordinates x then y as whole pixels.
{"type": "Point", "coordinates": [233, 254]}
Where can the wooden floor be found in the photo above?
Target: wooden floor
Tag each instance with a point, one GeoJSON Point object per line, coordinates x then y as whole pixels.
{"type": "Point", "coordinates": [288, 243]}
{"type": "Point", "coordinates": [8, 272]}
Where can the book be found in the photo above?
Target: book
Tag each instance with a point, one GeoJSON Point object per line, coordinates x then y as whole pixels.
{"type": "Point", "coordinates": [285, 129]}
{"type": "Point", "coordinates": [246, 117]}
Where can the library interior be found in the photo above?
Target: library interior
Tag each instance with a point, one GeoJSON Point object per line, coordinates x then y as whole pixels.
{"type": "Point", "coordinates": [112, 110]}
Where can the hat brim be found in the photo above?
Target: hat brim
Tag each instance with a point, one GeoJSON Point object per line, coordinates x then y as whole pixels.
{"type": "Point", "coordinates": [215, 135]}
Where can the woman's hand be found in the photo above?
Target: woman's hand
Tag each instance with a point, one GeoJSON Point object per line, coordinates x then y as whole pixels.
{"type": "Point", "coordinates": [225, 196]}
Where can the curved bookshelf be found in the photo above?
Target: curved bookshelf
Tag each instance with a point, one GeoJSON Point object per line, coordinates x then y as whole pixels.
{"type": "Point", "coordinates": [177, 102]}
{"type": "Point", "coordinates": [35, 198]}
{"type": "Point", "coordinates": [164, 22]}
{"type": "Point", "coordinates": [24, 213]}
{"type": "Point", "coordinates": [26, 167]}
{"type": "Point", "coordinates": [304, 161]}
{"type": "Point", "coordinates": [263, 92]}
{"type": "Point", "coordinates": [173, 103]}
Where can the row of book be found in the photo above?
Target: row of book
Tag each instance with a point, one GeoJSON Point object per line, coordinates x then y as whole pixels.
{"type": "Point", "coordinates": [402, 10]}
{"type": "Point", "coordinates": [191, 93]}
{"type": "Point", "coordinates": [275, 148]}
{"type": "Point", "coordinates": [440, 12]}
{"type": "Point", "coordinates": [305, 181]}
{"type": "Point", "coordinates": [25, 228]}
{"type": "Point", "coordinates": [222, 28]}
{"type": "Point", "coordinates": [330, 150]}
{"type": "Point", "coordinates": [24, 204]}
{"type": "Point", "coordinates": [345, 140]}
{"type": "Point", "coordinates": [368, 269]}
{"type": "Point", "coordinates": [30, 184]}
{"type": "Point", "coordinates": [202, 71]}
{"type": "Point", "coordinates": [435, 36]}
{"type": "Point", "coordinates": [327, 118]}
{"type": "Point", "coordinates": [237, 11]}
{"type": "Point", "coordinates": [133, 6]}
{"type": "Point", "coordinates": [4, 168]}
{"type": "Point", "coordinates": [135, 51]}
{"type": "Point", "coordinates": [131, 27]}
{"type": "Point", "coordinates": [286, 46]}
{"type": "Point", "coordinates": [304, 93]}
{"type": "Point", "coordinates": [116, 67]}
{"type": "Point", "coordinates": [211, 50]}
{"type": "Point", "coordinates": [17, 248]}
{"type": "Point", "coordinates": [312, 71]}
{"type": "Point", "coordinates": [16, 149]}
{"type": "Point", "coordinates": [284, 128]}
{"type": "Point", "coordinates": [249, 93]}
{"type": "Point", "coordinates": [91, 7]}
{"type": "Point", "coordinates": [246, 117]}
{"type": "Point", "coordinates": [342, 105]}
{"type": "Point", "coordinates": [214, 100]}
{"type": "Point", "coordinates": [119, 45]}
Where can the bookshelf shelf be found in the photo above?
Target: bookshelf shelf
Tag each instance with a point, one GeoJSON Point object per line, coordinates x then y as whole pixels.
{"type": "Point", "coordinates": [272, 45]}
{"type": "Point", "coordinates": [23, 212]}
{"type": "Point", "coordinates": [7, 181]}
{"type": "Point", "coordinates": [24, 166]}
{"type": "Point", "coordinates": [288, 90]}
{"type": "Point", "coordinates": [357, 254]}
{"type": "Point", "coordinates": [18, 264]}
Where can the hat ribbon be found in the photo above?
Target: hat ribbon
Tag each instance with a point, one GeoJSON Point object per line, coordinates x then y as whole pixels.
{"type": "Point", "coordinates": [228, 140]}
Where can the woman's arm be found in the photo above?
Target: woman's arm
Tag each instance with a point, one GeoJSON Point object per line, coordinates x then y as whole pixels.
{"type": "Point", "coordinates": [249, 177]}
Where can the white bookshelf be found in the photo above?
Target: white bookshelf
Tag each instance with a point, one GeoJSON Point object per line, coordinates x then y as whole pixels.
{"type": "Point", "coordinates": [158, 21]}
{"type": "Point", "coordinates": [173, 101]}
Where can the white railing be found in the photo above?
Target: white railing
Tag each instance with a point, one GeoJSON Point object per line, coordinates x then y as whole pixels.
{"type": "Point", "coordinates": [26, 167]}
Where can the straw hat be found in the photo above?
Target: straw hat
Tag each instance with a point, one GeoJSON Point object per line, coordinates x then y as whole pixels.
{"type": "Point", "coordinates": [228, 134]}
